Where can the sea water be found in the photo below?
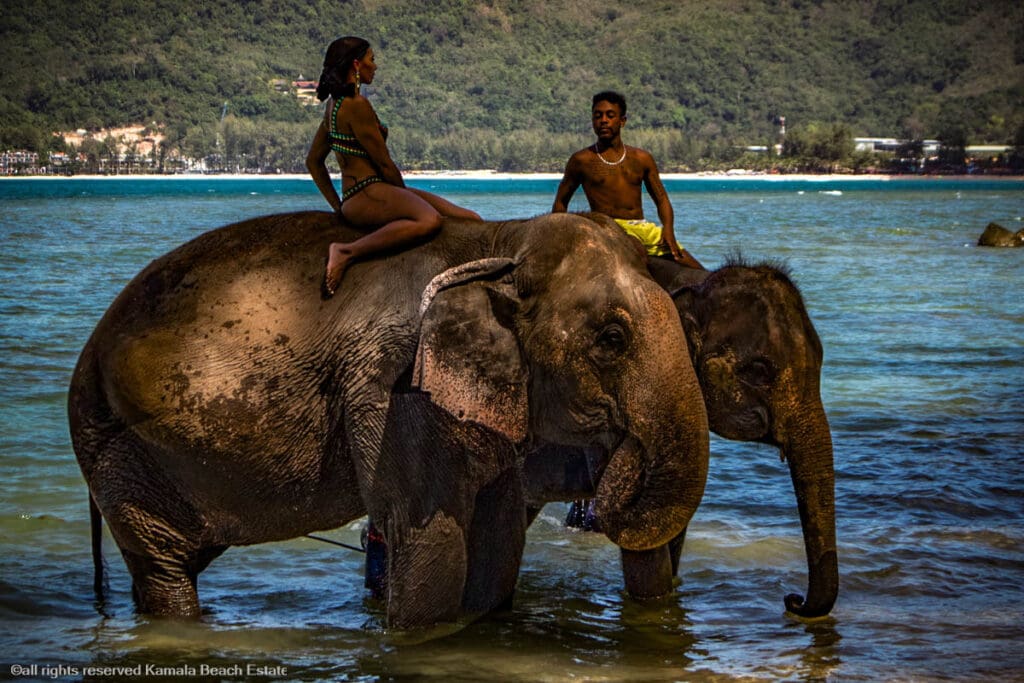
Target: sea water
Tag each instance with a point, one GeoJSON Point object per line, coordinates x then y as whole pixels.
{"type": "Point", "coordinates": [923, 384]}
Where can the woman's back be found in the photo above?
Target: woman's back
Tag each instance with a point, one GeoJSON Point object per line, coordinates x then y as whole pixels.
{"type": "Point", "coordinates": [344, 116]}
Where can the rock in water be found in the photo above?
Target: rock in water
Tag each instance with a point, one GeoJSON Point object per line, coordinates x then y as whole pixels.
{"type": "Point", "coordinates": [996, 235]}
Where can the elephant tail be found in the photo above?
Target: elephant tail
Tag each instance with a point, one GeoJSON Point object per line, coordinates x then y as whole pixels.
{"type": "Point", "coordinates": [96, 527]}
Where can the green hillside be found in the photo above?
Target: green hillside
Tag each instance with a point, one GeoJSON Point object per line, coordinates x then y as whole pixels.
{"type": "Point", "coordinates": [507, 82]}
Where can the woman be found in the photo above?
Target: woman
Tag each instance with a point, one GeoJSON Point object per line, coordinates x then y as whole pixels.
{"type": "Point", "coordinates": [373, 192]}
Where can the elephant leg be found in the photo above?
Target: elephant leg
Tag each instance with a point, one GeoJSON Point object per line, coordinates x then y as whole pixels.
{"type": "Point", "coordinates": [648, 573]}
{"type": "Point", "coordinates": [675, 549]}
{"type": "Point", "coordinates": [495, 546]}
{"type": "Point", "coordinates": [412, 486]}
{"type": "Point", "coordinates": [167, 587]}
{"type": "Point", "coordinates": [159, 533]}
{"type": "Point", "coordinates": [162, 587]}
{"type": "Point", "coordinates": [426, 571]}
{"type": "Point", "coordinates": [440, 483]}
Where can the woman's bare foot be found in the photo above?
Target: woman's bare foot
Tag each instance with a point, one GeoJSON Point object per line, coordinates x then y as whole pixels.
{"type": "Point", "coordinates": [338, 257]}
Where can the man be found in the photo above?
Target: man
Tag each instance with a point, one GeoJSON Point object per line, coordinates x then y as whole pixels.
{"type": "Point", "coordinates": [611, 174]}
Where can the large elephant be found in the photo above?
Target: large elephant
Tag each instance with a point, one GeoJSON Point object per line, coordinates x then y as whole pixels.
{"type": "Point", "coordinates": [221, 402]}
{"type": "Point", "coordinates": [758, 359]}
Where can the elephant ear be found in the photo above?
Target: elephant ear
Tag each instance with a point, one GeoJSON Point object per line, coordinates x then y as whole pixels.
{"type": "Point", "coordinates": [686, 300]}
{"type": "Point", "coordinates": [468, 358]}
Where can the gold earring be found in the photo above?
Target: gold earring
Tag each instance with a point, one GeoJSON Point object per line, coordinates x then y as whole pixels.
{"type": "Point", "coordinates": [357, 81]}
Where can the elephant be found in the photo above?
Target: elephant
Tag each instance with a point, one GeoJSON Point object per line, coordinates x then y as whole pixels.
{"type": "Point", "coordinates": [758, 360]}
{"type": "Point", "coordinates": [221, 401]}
{"type": "Point", "coordinates": [996, 235]}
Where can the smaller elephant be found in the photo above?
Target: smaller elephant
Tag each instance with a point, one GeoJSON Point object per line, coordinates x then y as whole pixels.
{"type": "Point", "coordinates": [996, 235]}
{"type": "Point", "coordinates": [758, 360]}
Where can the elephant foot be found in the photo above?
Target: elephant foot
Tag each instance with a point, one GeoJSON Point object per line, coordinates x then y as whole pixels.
{"type": "Point", "coordinates": [338, 257]}
{"type": "Point", "coordinates": [426, 572]}
{"type": "Point", "coordinates": [162, 588]}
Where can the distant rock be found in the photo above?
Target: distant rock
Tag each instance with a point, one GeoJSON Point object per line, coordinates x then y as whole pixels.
{"type": "Point", "coordinates": [996, 235]}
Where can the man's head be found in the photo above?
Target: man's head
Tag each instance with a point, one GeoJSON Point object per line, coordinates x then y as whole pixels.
{"type": "Point", "coordinates": [608, 114]}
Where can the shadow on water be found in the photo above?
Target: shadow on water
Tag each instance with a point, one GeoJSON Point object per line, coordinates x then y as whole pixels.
{"type": "Point", "coordinates": [610, 640]}
{"type": "Point", "coordinates": [821, 657]}
{"type": "Point", "coordinates": [552, 640]}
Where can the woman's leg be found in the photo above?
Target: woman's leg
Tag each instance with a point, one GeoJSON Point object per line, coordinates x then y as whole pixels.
{"type": "Point", "coordinates": [445, 207]}
{"type": "Point", "coordinates": [403, 216]}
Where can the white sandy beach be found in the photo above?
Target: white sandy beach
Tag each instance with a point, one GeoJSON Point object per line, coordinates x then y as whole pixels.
{"type": "Point", "coordinates": [732, 175]}
{"type": "Point", "coordinates": [457, 175]}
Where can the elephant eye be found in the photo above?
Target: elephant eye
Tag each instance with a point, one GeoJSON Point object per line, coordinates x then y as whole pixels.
{"type": "Point", "coordinates": [611, 342]}
{"type": "Point", "coordinates": [757, 372]}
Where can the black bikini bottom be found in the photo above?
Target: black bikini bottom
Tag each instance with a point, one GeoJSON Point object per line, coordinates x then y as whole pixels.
{"type": "Point", "coordinates": [360, 186]}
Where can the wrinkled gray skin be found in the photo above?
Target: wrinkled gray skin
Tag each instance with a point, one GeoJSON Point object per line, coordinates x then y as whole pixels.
{"type": "Point", "coordinates": [758, 359]}
{"type": "Point", "coordinates": [996, 235]}
{"type": "Point", "coordinates": [220, 402]}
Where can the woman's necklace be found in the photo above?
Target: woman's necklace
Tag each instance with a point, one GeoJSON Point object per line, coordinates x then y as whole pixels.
{"type": "Point", "coordinates": [610, 163]}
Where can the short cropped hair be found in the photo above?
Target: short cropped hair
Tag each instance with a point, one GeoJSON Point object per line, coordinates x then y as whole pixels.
{"type": "Point", "coordinates": [612, 97]}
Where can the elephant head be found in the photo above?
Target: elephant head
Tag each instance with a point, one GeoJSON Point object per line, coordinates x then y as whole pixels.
{"type": "Point", "coordinates": [569, 340]}
{"type": "Point", "coordinates": [758, 359]}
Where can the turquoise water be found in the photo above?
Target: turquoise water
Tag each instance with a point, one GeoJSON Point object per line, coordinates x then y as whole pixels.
{"type": "Point", "coordinates": [923, 383]}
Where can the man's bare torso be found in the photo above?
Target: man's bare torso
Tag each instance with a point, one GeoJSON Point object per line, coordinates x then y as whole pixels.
{"type": "Point", "coordinates": [612, 190]}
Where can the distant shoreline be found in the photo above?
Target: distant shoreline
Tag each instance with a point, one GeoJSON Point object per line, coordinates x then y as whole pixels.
{"type": "Point", "coordinates": [497, 175]}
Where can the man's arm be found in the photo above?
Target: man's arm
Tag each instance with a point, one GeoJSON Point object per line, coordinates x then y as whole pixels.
{"type": "Point", "coordinates": [571, 179]}
{"type": "Point", "coordinates": [666, 216]}
{"type": "Point", "coordinates": [655, 188]}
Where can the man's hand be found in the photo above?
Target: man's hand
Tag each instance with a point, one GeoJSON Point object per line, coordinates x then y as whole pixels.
{"type": "Point", "coordinates": [679, 255]}
{"type": "Point", "coordinates": [668, 239]}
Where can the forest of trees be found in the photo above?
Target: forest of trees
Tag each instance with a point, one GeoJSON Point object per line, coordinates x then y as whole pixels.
{"type": "Point", "coordinates": [506, 84]}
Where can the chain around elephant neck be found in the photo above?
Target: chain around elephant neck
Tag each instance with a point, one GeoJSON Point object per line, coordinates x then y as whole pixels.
{"type": "Point", "coordinates": [610, 163]}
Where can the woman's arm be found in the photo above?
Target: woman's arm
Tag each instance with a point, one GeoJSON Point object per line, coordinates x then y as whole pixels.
{"type": "Point", "coordinates": [316, 163]}
{"type": "Point", "coordinates": [366, 128]}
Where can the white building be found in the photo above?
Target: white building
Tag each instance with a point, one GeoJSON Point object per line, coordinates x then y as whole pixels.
{"type": "Point", "coordinates": [931, 147]}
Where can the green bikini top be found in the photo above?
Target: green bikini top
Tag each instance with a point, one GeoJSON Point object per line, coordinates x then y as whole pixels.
{"type": "Point", "coordinates": [346, 143]}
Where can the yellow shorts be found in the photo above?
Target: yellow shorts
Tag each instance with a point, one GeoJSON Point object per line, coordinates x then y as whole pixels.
{"type": "Point", "coordinates": [648, 233]}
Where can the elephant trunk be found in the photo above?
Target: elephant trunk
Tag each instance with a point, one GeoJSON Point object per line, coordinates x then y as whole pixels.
{"type": "Point", "coordinates": [808, 448]}
{"type": "Point", "coordinates": [655, 478]}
